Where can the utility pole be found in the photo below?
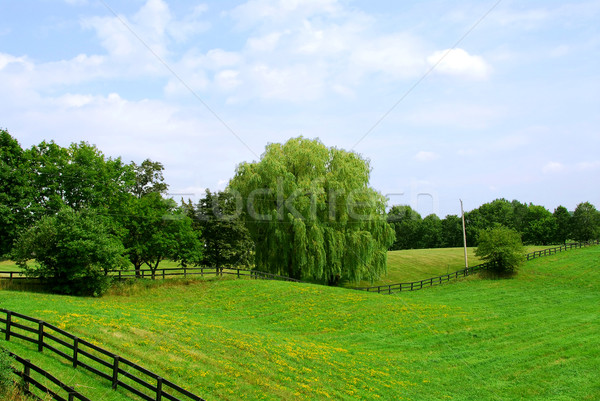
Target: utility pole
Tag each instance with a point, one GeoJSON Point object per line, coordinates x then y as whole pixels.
{"type": "Point", "coordinates": [462, 212]}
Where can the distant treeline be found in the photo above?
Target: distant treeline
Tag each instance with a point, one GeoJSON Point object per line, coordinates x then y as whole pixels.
{"type": "Point", "coordinates": [536, 224]}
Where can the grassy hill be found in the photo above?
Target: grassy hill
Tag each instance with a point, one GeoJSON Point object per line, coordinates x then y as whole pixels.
{"type": "Point", "coordinates": [534, 336]}
{"type": "Point", "coordinates": [417, 264]}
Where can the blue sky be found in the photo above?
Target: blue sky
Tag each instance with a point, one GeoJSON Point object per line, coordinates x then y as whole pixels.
{"type": "Point", "coordinates": [464, 99]}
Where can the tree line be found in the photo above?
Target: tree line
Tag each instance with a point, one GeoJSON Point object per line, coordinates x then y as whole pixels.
{"type": "Point", "coordinates": [79, 214]}
{"type": "Point", "coordinates": [303, 210]}
{"type": "Point", "coordinates": [536, 225]}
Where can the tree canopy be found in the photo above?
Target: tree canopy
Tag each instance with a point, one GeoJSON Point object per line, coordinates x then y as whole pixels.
{"type": "Point", "coordinates": [312, 214]}
{"type": "Point", "coordinates": [226, 239]}
{"type": "Point", "coordinates": [501, 246]}
{"type": "Point", "coordinates": [73, 251]}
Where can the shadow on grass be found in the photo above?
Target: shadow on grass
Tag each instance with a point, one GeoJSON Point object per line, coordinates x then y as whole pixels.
{"type": "Point", "coordinates": [494, 275]}
{"type": "Point", "coordinates": [26, 285]}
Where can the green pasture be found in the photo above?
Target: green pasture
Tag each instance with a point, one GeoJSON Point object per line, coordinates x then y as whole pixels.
{"type": "Point", "coordinates": [534, 336]}
{"type": "Point", "coordinates": [411, 265]}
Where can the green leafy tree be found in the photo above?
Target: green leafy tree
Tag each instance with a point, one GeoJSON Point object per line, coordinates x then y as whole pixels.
{"type": "Point", "coordinates": [452, 235]}
{"type": "Point", "coordinates": [406, 223]}
{"type": "Point", "coordinates": [563, 224]}
{"type": "Point", "coordinates": [312, 214]}
{"type": "Point", "coordinates": [79, 177]}
{"type": "Point", "coordinates": [586, 222]}
{"type": "Point", "coordinates": [16, 192]}
{"type": "Point", "coordinates": [539, 226]}
{"type": "Point", "coordinates": [73, 251]}
{"type": "Point", "coordinates": [226, 239]}
{"type": "Point", "coordinates": [47, 163]}
{"type": "Point", "coordinates": [148, 178]}
{"type": "Point", "coordinates": [501, 246]}
{"type": "Point", "coordinates": [156, 229]}
{"type": "Point", "coordinates": [431, 229]}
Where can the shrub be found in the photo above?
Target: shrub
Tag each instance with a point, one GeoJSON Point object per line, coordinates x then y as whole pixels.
{"type": "Point", "coordinates": [73, 250]}
{"type": "Point", "coordinates": [502, 247]}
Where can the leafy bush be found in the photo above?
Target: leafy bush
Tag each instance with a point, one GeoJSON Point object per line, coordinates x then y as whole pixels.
{"type": "Point", "coordinates": [502, 247]}
{"type": "Point", "coordinates": [73, 250]}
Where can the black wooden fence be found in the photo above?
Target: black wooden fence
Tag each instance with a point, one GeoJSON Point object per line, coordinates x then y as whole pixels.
{"type": "Point", "coordinates": [198, 271]}
{"type": "Point", "coordinates": [172, 272]}
{"type": "Point", "coordinates": [430, 282]}
{"type": "Point", "coordinates": [28, 377]}
{"type": "Point", "coordinates": [565, 247]}
{"type": "Point", "coordinates": [120, 372]}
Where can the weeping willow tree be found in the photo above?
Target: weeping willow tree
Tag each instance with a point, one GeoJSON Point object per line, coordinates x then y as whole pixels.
{"type": "Point", "coordinates": [312, 214]}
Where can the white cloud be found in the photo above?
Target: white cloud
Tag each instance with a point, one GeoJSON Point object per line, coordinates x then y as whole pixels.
{"type": "Point", "coordinates": [424, 156]}
{"type": "Point", "coordinates": [553, 167]}
{"type": "Point", "coordinates": [293, 83]}
{"type": "Point", "coordinates": [457, 62]}
{"type": "Point", "coordinates": [228, 80]}
{"type": "Point", "coordinates": [265, 43]}
{"type": "Point", "coordinates": [282, 11]}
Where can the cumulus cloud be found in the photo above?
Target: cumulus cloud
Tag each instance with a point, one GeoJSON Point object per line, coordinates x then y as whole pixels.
{"type": "Point", "coordinates": [458, 62]}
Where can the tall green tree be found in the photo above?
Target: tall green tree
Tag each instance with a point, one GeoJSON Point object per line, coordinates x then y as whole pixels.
{"type": "Point", "coordinates": [452, 235]}
{"type": "Point", "coordinates": [406, 223]}
{"type": "Point", "coordinates": [431, 229]}
{"type": "Point", "coordinates": [563, 224]}
{"type": "Point", "coordinates": [586, 222]}
{"type": "Point", "coordinates": [16, 192]}
{"type": "Point", "coordinates": [226, 239]}
{"type": "Point", "coordinates": [148, 178]}
{"type": "Point", "coordinates": [73, 251]}
{"type": "Point", "coordinates": [155, 229]}
{"type": "Point", "coordinates": [539, 226]}
{"type": "Point", "coordinates": [312, 214]}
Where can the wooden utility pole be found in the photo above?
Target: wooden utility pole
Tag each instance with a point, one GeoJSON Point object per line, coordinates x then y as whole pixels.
{"type": "Point", "coordinates": [462, 213]}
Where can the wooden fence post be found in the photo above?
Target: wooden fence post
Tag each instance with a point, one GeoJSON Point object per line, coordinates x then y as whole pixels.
{"type": "Point", "coordinates": [26, 375]}
{"type": "Point", "coordinates": [8, 321]}
{"type": "Point", "coordinates": [115, 373]}
{"type": "Point", "coordinates": [40, 336]}
{"type": "Point", "coordinates": [71, 391]}
{"type": "Point", "coordinates": [75, 351]}
{"type": "Point", "coordinates": [159, 381]}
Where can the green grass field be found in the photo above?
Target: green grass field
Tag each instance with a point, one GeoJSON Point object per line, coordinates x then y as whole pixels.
{"type": "Point", "coordinates": [418, 264]}
{"type": "Point", "coordinates": [535, 336]}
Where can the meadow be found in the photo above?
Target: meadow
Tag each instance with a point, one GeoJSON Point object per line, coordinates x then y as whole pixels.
{"type": "Point", "coordinates": [533, 336]}
{"type": "Point", "coordinates": [411, 265]}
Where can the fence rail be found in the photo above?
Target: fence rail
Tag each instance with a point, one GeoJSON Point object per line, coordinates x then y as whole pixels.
{"type": "Point", "coordinates": [558, 249]}
{"type": "Point", "coordinates": [430, 282]}
{"type": "Point", "coordinates": [26, 375]}
{"type": "Point", "coordinates": [172, 272]}
{"type": "Point", "coordinates": [119, 371]}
